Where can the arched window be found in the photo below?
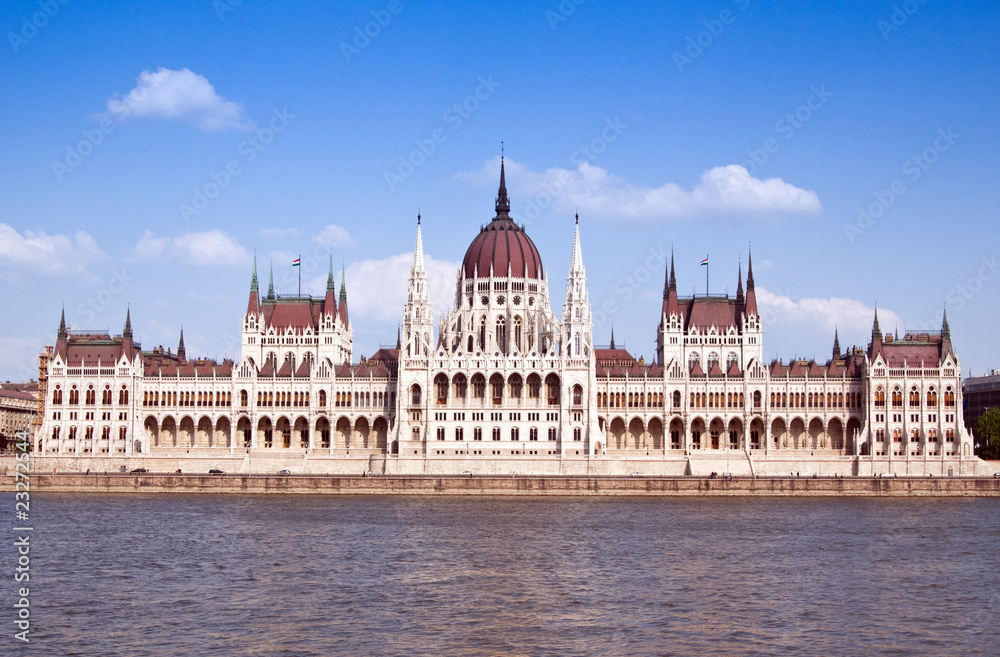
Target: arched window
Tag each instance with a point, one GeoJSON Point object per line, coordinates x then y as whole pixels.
{"type": "Point", "coordinates": [514, 384]}
{"type": "Point", "coordinates": [478, 386]}
{"type": "Point", "coordinates": [496, 433]}
{"type": "Point", "coordinates": [517, 334]}
{"type": "Point", "coordinates": [897, 398]}
{"type": "Point", "coordinates": [692, 360]}
{"type": "Point", "coordinates": [731, 359]}
{"type": "Point", "coordinates": [441, 388]}
{"type": "Point", "coordinates": [459, 384]}
{"type": "Point", "coordinates": [932, 397]}
{"type": "Point", "coordinates": [677, 399]}
{"type": "Point", "coordinates": [577, 395]}
{"type": "Point", "coordinates": [482, 334]}
{"type": "Point", "coordinates": [470, 345]}
{"type": "Point", "coordinates": [713, 359]}
{"type": "Point", "coordinates": [496, 388]}
{"type": "Point", "coordinates": [552, 389]}
{"type": "Point", "coordinates": [534, 386]}
{"type": "Point", "coordinates": [415, 394]}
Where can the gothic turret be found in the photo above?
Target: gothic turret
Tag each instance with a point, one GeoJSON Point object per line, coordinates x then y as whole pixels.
{"type": "Point", "coordinates": [576, 318]}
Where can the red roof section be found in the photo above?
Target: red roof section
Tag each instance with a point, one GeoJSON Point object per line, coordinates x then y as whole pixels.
{"type": "Point", "coordinates": [705, 312]}
{"type": "Point", "coordinates": [16, 394]}
{"type": "Point", "coordinates": [913, 354]}
{"type": "Point", "coordinates": [298, 313]}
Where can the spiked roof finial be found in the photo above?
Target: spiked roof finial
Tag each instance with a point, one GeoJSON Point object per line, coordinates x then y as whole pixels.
{"type": "Point", "coordinates": [503, 202]}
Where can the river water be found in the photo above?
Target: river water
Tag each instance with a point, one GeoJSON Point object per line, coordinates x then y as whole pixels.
{"type": "Point", "coordinates": [304, 575]}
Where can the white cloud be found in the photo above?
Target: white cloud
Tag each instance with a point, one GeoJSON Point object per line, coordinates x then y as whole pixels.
{"type": "Point", "coordinates": [178, 96]}
{"type": "Point", "coordinates": [57, 255]}
{"type": "Point", "coordinates": [725, 190]}
{"type": "Point", "coordinates": [798, 324]}
{"type": "Point", "coordinates": [209, 249]}
{"type": "Point", "coordinates": [334, 237]}
{"type": "Point", "coordinates": [376, 289]}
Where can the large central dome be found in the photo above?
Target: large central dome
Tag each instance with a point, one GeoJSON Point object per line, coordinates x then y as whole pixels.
{"type": "Point", "coordinates": [502, 244]}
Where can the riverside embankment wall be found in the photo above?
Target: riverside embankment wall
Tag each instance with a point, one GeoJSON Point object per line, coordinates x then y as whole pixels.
{"type": "Point", "coordinates": [508, 485]}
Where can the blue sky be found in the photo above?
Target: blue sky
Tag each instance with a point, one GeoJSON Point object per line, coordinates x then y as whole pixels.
{"type": "Point", "coordinates": [851, 145]}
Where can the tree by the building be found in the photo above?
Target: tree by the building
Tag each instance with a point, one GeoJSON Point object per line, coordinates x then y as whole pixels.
{"type": "Point", "coordinates": [987, 434]}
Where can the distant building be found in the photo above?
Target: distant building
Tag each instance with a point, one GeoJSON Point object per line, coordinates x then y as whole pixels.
{"type": "Point", "coordinates": [17, 410]}
{"type": "Point", "coordinates": [980, 393]}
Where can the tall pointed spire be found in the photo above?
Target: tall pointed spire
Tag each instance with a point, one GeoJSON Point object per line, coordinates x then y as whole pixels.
{"type": "Point", "coordinates": [127, 332]}
{"type": "Point", "coordinates": [739, 285]}
{"type": "Point", "coordinates": [945, 329]}
{"type": "Point", "coordinates": [612, 336]}
{"type": "Point", "coordinates": [330, 301]}
{"type": "Point", "coordinates": [503, 203]}
{"type": "Point", "coordinates": [342, 305]}
{"type": "Point", "coordinates": [876, 330]}
{"type": "Point", "coordinates": [62, 325]}
{"type": "Point", "coordinates": [181, 351]}
{"type": "Point", "coordinates": [836, 343]}
{"type": "Point", "coordinates": [253, 302]}
{"type": "Point", "coordinates": [576, 262]}
{"type": "Point", "coordinates": [270, 284]}
{"type": "Point", "coordinates": [751, 297]}
{"type": "Point", "coordinates": [418, 249]}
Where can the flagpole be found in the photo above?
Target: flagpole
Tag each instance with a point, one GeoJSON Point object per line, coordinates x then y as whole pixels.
{"type": "Point", "coordinates": [706, 274]}
{"type": "Point", "coordinates": [300, 274]}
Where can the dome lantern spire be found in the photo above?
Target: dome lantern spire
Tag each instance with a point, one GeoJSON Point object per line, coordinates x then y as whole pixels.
{"type": "Point", "coordinates": [503, 202]}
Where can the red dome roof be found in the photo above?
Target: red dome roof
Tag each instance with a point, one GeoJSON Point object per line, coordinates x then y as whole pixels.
{"type": "Point", "coordinates": [502, 244]}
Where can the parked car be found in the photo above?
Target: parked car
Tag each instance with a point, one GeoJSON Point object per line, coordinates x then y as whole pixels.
{"type": "Point", "coordinates": [216, 471]}
{"type": "Point", "coordinates": [465, 473]}
{"type": "Point", "coordinates": [139, 470]}
{"type": "Point", "coordinates": [284, 473]}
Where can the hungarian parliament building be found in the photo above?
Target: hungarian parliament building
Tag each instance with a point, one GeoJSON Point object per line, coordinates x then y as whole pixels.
{"type": "Point", "coordinates": [505, 384]}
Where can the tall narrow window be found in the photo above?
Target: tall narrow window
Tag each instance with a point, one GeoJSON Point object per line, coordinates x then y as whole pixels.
{"type": "Point", "coordinates": [502, 334]}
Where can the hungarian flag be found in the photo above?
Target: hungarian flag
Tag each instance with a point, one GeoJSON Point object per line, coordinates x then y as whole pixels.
{"type": "Point", "coordinates": [705, 262]}
{"type": "Point", "coordinates": [295, 263]}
